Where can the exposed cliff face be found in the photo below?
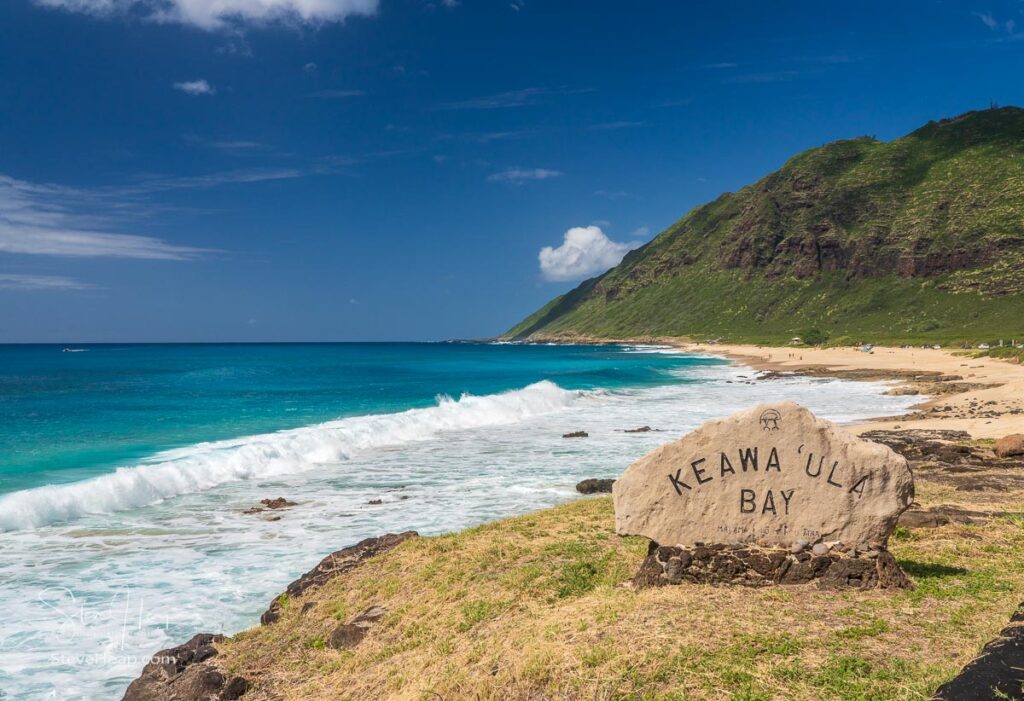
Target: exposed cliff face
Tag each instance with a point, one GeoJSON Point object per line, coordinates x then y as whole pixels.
{"type": "Point", "coordinates": [861, 227]}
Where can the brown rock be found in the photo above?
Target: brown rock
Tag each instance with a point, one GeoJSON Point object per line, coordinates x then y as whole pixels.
{"type": "Point", "coordinates": [278, 503]}
{"type": "Point", "coordinates": [1009, 446]}
{"type": "Point", "coordinates": [642, 429]}
{"type": "Point", "coordinates": [775, 473]}
{"type": "Point", "coordinates": [346, 636]}
{"type": "Point", "coordinates": [576, 434]}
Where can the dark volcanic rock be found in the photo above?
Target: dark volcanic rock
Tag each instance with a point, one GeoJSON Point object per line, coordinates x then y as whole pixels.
{"type": "Point", "coordinates": [340, 562]}
{"type": "Point", "coordinates": [576, 434]}
{"type": "Point", "coordinates": [946, 457]}
{"type": "Point", "coordinates": [755, 566]}
{"type": "Point", "coordinates": [998, 672]}
{"type": "Point", "coordinates": [642, 429]}
{"type": "Point", "coordinates": [186, 673]}
{"type": "Point", "coordinates": [595, 486]}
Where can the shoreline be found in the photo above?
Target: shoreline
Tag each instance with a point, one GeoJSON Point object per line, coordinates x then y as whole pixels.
{"type": "Point", "coordinates": [982, 396]}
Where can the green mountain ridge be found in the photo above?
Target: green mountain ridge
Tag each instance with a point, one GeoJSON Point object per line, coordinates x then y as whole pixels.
{"type": "Point", "coordinates": [917, 239]}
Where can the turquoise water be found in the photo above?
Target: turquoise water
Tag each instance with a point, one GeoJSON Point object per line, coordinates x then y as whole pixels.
{"type": "Point", "coordinates": [67, 416]}
{"type": "Point", "coordinates": [127, 472]}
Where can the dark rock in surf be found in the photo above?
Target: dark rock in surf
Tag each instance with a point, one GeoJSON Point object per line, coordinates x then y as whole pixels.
{"type": "Point", "coordinates": [271, 504]}
{"type": "Point", "coordinates": [595, 486]}
{"type": "Point", "coordinates": [576, 434]}
{"type": "Point", "coordinates": [186, 673]}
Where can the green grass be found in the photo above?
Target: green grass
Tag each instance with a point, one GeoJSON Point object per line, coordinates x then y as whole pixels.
{"type": "Point", "coordinates": [532, 607]}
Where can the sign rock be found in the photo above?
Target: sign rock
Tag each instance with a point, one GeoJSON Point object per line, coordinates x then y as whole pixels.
{"type": "Point", "coordinates": [775, 474]}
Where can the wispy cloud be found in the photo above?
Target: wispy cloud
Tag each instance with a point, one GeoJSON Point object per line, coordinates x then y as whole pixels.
{"type": "Point", "coordinates": [57, 221]}
{"type": "Point", "coordinates": [769, 77]}
{"type": "Point", "coordinates": [1009, 27]}
{"type": "Point", "coordinates": [585, 251]}
{"type": "Point", "coordinates": [517, 176]}
{"type": "Point", "coordinates": [233, 147]}
{"type": "Point", "coordinates": [720, 66]}
{"type": "Point", "coordinates": [336, 94]}
{"type": "Point", "coordinates": [42, 283]}
{"type": "Point", "coordinates": [987, 19]}
{"type": "Point", "coordinates": [222, 14]}
{"type": "Point", "coordinates": [617, 125]}
{"type": "Point", "coordinates": [486, 137]}
{"type": "Point", "coordinates": [236, 145]}
{"type": "Point", "coordinates": [511, 98]}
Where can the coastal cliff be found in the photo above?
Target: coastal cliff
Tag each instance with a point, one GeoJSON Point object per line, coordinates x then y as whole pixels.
{"type": "Point", "coordinates": [919, 238]}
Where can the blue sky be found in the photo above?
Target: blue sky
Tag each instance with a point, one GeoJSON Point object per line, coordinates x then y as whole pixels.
{"type": "Point", "coordinates": [364, 170]}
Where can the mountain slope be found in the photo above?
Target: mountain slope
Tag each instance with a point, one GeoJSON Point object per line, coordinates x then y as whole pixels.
{"type": "Point", "coordinates": [921, 238]}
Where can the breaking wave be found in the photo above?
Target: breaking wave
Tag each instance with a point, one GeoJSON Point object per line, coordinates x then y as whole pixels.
{"type": "Point", "coordinates": [207, 465]}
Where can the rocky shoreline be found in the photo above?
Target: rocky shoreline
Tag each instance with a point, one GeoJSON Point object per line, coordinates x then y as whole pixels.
{"type": "Point", "coordinates": [193, 672]}
{"type": "Point", "coordinates": [945, 457]}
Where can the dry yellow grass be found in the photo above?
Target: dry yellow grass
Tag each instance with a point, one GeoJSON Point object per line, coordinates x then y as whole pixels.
{"type": "Point", "coordinates": [533, 608]}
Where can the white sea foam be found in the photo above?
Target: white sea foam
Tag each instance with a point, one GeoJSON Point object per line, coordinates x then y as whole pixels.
{"type": "Point", "coordinates": [207, 465]}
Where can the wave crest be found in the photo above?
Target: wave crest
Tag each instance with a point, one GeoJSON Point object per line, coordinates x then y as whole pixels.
{"type": "Point", "coordinates": [207, 465]}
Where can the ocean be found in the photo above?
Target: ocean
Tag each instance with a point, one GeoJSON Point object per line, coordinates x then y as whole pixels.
{"type": "Point", "coordinates": [125, 470]}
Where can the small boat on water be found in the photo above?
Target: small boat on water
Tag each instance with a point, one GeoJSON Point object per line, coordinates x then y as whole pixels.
{"type": "Point", "coordinates": [74, 350]}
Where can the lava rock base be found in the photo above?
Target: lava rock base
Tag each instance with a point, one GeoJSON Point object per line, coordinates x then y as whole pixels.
{"type": "Point", "coordinates": [756, 566]}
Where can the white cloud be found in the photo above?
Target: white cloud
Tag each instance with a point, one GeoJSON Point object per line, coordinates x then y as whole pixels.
{"type": "Point", "coordinates": [54, 283]}
{"type": "Point", "coordinates": [51, 220]}
{"type": "Point", "coordinates": [517, 176]}
{"type": "Point", "coordinates": [585, 251]}
{"type": "Point", "coordinates": [213, 15]}
{"type": "Point", "coordinates": [310, 67]}
{"type": "Point", "coordinates": [195, 87]}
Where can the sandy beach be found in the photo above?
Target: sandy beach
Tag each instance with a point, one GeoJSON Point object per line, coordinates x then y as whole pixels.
{"type": "Point", "coordinates": [990, 405]}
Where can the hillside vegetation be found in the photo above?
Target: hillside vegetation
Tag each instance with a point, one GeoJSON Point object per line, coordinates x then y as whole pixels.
{"type": "Point", "coordinates": [917, 239]}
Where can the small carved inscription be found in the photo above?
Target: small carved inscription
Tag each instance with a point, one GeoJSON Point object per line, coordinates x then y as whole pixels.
{"type": "Point", "coordinates": [770, 420]}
